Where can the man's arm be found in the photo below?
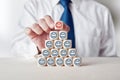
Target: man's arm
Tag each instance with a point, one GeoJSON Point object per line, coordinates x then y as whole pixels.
{"type": "Point", "coordinates": [108, 45]}
{"type": "Point", "coordinates": [22, 45]}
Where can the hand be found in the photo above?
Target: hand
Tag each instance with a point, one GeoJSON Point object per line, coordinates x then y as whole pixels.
{"type": "Point", "coordinates": [39, 32]}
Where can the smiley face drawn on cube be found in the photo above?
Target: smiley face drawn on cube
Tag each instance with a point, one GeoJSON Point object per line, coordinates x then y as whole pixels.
{"type": "Point", "coordinates": [59, 25]}
{"type": "Point", "coordinates": [77, 61]}
{"type": "Point", "coordinates": [42, 61]}
{"type": "Point", "coordinates": [58, 44]}
{"type": "Point", "coordinates": [68, 61]}
{"type": "Point", "coordinates": [59, 61]}
{"type": "Point", "coordinates": [53, 35]}
{"type": "Point", "coordinates": [45, 52]}
{"type": "Point", "coordinates": [49, 44]}
{"type": "Point", "coordinates": [50, 61]}
{"type": "Point", "coordinates": [67, 43]}
{"type": "Point", "coordinates": [72, 52]}
{"type": "Point", "coordinates": [54, 52]}
{"type": "Point", "coordinates": [62, 35]}
{"type": "Point", "coordinates": [63, 52]}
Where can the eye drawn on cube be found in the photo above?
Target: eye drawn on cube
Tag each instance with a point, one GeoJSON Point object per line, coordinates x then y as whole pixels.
{"type": "Point", "coordinates": [50, 61]}
{"type": "Point", "coordinates": [68, 61]}
{"type": "Point", "coordinates": [59, 61]}
{"type": "Point", "coordinates": [72, 52]}
{"type": "Point", "coordinates": [54, 52]}
{"type": "Point", "coordinates": [46, 52]}
{"type": "Point", "coordinates": [53, 35]}
{"type": "Point", "coordinates": [58, 44]}
{"type": "Point", "coordinates": [49, 44]}
{"type": "Point", "coordinates": [63, 35]}
{"type": "Point", "coordinates": [77, 61]}
{"type": "Point", "coordinates": [42, 61]}
{"type": "Point", "coordinates": [59, 25]}
{"type": "Point", "coordinates": [67, 44]}
{"type": "Point", "coordinates": [63, 52]}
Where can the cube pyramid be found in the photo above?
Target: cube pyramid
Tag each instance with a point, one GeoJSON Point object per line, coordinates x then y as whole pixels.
{"type": "Point", "coordinates": [58, 49]}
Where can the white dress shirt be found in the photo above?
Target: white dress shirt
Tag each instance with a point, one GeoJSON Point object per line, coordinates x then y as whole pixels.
{"type": "Point", "coordinates": [93, 25]}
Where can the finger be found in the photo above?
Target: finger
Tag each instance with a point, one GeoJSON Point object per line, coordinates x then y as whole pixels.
{"type": "Point", "coordinates": [37, 29]}
{"type": "Point", "coordinates": [30, 33]}
{"type": "Point", "coordinates": [44, 25]}
{"type": "Point", "coordinates": [49, 21]}
{"type": "Point", "coordinates": [66, 27]}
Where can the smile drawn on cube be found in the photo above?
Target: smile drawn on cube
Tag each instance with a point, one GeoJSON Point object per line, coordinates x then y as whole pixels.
{"type": "Point", "coordinates": [53, 35]}
{"type": "Point", "coordinates": [67, 43]}
{"type": "Point", "coordinates": [49, 44]}
{"type": "Point", "coordinates": [77, 61]}
{"type": "Point", "coordinates": [41, 61]}
{"type": "Point", "coordinates": [58, 44]}
{"type": "Point", "coordinates": [63, 53]}
{"type": "Point", "coordinates": [46, 53]}
{"type": "Point", "coordinates": [62, 35]}
{"type": "Point", "coordinates": [55, 53]}
{"type": "Point", "coordinates": [72, 52]}
{"type": "Point", "coordinates": [50, 61]}
{"type": "Point", "coordinates": [59, 61]}
{"type": "Point", "coordinates": [68, 61]}
{"type": "Point", "coordinates": [58, 24]}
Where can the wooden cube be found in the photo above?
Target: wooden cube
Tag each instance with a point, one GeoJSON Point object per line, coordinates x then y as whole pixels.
{"type": "Point", "coordinates": [59, 25]}
{"type": "Point", "coordinates": [53, 35]}
{"type": "Point", "coordinates": [63, 52]}
{"type": "Point", "coordinates": [50, 61]}
{"type": "Point", "coordinates": [59, 61]}
{"type": "Point", "coordinates": [42, 61]}
{"type": "Point", "coordinates": [49, 44]}
{"type": "Point", "coordinates": [72, 52]}
{"type": "Point", "coordinates": [77, 61]}
{"type": "Point", "coordinates": [63, 35]}
{"type": "Point", "coordinates": [68, 61]}
{"type": "Point", "coordinates": [58, 44]}
{"type": "Point", "coordinates": [54, 52]}
{"type": "Point", "coordinates": [45, 52]}
{"type": "Point", "coordinates": [67, 44]}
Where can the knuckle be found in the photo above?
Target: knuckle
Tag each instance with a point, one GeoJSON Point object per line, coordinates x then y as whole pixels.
{"type": "Point", "coordinates": [35, 26]}
{"type": "Point", "coordinates": [47, 29]}
{"type": "Point", "coordinates": [42, 20]}
{"type": "Point", "coordinates": [47, 17]}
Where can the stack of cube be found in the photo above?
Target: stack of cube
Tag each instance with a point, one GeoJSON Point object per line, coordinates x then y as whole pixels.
{"type": "Point", "coordinates": [58, 50]}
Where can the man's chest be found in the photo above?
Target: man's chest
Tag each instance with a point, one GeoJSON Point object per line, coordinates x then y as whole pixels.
{"type": "Point", "coordinates": [86, 24]}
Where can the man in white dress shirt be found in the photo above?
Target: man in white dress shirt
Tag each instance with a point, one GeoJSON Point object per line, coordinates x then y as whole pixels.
{"type": "Point", "coordinates": [93, 27]}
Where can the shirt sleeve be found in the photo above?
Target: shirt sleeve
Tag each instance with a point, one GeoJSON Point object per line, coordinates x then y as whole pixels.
{"type": "Point", "coordinates": [22, 45]}
{"type": "Point", "coordinates": [108, 45]}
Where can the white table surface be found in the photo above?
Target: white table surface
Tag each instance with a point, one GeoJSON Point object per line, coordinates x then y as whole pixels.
{"type": "Point", "coordinates": [91, 69]}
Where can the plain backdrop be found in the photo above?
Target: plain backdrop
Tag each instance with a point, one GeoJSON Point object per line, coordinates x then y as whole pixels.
{"type": "Point", "coordinates": [11, 11]}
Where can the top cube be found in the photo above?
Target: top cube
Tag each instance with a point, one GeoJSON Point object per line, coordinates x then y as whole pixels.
{"type": "Point", "coordinates": [59, 25]}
